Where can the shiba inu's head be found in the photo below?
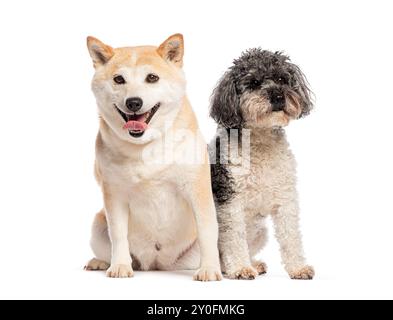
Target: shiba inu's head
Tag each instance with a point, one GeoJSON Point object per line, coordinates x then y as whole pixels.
{"type": "Point", "coordinates": [139, 90]}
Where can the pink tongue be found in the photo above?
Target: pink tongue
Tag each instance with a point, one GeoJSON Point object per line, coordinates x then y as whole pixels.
{"type": "Point", "coordinates": [135, 126]}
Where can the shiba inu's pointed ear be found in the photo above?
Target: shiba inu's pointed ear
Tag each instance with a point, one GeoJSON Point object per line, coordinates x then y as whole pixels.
{"type": "Point", "coordinates": [99, 52]}
{"type": "Point", "coordinates": [172, 49]}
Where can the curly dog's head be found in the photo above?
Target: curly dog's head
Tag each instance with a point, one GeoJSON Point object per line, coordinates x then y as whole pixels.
{"type": "Point", "coordinates": [261, 89]}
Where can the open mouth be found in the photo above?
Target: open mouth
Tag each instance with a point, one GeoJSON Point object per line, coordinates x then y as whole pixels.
{"type": "Point", "coordinates": [136, 124]}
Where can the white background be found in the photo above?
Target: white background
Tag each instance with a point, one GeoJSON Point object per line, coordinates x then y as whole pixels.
{"type": "Point", "coordinates": [48, 123]}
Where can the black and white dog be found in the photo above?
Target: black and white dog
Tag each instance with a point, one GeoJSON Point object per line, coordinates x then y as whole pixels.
{"type": "Point", "coordinates": [258, 96]}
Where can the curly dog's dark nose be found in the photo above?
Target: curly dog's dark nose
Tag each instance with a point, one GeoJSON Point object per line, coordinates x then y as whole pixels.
{"type": "Point", "coordinates": [277, 99]}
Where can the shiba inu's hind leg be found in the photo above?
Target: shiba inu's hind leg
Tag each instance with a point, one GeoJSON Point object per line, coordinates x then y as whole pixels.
{"type": "Point", "coordinates": [96, 265]}
{"type": "Point", "coordinates": [100, 244]}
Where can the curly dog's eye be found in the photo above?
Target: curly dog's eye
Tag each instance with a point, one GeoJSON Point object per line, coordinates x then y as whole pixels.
{"type": "Point", "coordinates": [255, 83]}
{"type": "Point", "coordinates": [282, 80]}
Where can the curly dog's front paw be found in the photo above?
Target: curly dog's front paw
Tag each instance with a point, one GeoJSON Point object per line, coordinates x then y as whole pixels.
{"type": "Point", "coordinates": [120, 271]}
{"type": "Point", "coordinates": [305, 273]}
{"type": "Point", "coordinates": [208, 274]}
{"type": "Point", "coordinates": [245, 273]}
{"type": "Point", "coordinates": [260, 267]}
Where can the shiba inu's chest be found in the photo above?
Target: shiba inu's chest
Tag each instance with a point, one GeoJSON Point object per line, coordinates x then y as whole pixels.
{"type": "Point", "coordinates": [130, 175]}
{"type": "Point", "coordinates": [157, 207]}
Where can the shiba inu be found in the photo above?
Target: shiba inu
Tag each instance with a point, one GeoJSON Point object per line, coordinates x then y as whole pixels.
{"type": "Point", "coordinates": [152, 166]}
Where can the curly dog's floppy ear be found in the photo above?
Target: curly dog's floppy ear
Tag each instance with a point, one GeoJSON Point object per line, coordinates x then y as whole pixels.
{"type": "Point", "coordinates": [304, 91]}
{"type": "Point", "coordinates": [225, 103]}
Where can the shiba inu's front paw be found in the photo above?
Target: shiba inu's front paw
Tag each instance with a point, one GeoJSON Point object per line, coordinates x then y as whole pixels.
{"type": "Point", "coordinates": [305, 273]}
{"type": "Point", "coordinates": [208, 274]}
{"type": "Point", "coordinates": [120, 271]}
{"type": "Point", "coordinates": [246, 273]}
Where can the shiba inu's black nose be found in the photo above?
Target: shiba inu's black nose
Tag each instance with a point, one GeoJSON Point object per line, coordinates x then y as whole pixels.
{"type": "Point", "coordinates": [134, 104]}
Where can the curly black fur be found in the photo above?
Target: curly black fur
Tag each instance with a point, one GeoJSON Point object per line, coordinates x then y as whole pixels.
{"type": "Point", "coordinates": [222, 184]}
{"type": "Point", "coordinates": [269, 72]}
{"type": "Point", "coordinates": [222, 180]}
{"type": "Point", "coordinates": [225, 103]}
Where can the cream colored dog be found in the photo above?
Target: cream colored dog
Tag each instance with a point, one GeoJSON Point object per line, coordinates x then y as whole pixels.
{"type": "Point", "coordinates": [254, 177]}
{"type": "Point", "coordinates": [152, 166]}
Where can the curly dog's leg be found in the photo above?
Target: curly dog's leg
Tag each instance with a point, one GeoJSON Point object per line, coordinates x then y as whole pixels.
{"type": "Point", "coordinates": [286, 224]}
{"type": "Point", "coordinates": [233, 245]}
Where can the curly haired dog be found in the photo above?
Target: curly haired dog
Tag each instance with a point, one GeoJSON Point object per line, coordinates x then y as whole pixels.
{"type": "Point", "coordinates": [256, 176]}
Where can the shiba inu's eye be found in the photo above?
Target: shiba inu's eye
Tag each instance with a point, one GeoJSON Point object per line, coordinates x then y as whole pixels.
{"type": "Point", "coordinates": [151, 78]}
{"type": "Point", "coordinates": [119, 80]}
